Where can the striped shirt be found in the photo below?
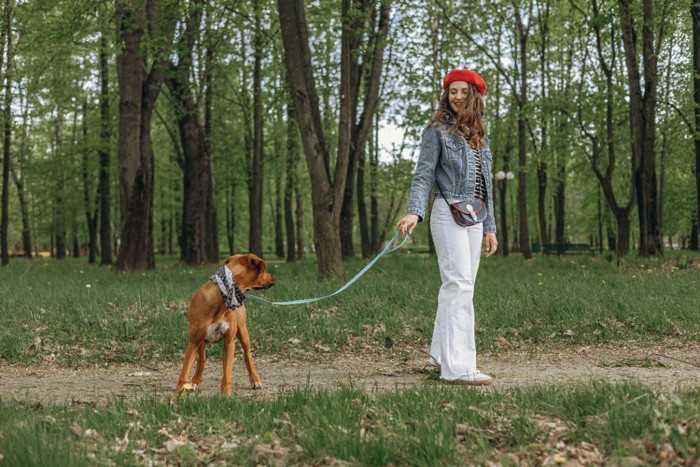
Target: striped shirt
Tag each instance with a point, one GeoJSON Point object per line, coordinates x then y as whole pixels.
{"type": "Point", "coordinates": [480, 190]}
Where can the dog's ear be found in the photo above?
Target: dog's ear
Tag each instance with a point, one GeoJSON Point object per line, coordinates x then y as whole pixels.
{"type": "Point", "coordinates": [256, 263]}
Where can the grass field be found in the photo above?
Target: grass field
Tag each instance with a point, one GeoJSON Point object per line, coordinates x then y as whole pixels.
{"type": "Point", "coordinates": [80, 314]}
{"type": "Point", "coordinates": [596, 423]}
{"type": "Point", "coordinates": [72, 314]}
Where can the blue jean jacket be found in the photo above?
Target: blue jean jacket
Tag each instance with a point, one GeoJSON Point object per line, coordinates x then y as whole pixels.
{"type": "Point", "coordinates": [447, 158]}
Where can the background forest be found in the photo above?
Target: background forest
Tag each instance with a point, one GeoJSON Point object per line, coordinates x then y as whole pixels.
{"type": "Point", "coordinates": [200, 128]}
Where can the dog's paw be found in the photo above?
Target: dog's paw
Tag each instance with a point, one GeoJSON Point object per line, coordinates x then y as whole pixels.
{"type": "Point", "coordinates": [257, 385]}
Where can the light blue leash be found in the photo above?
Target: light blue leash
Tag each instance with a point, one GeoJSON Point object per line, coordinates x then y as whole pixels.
{"type": "Point", "coordinates": [387, 250]}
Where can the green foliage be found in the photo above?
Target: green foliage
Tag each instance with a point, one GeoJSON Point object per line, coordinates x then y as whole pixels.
{"type": "Point", "coordinates": [56, 71]}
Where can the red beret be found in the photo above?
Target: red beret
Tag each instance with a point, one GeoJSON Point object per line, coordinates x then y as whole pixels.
{"type": "Point", "coordinates": [469, 76]}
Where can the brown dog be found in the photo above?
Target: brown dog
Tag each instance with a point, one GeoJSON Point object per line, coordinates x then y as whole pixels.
{"type": "Point", "coordinates": [211, 321]}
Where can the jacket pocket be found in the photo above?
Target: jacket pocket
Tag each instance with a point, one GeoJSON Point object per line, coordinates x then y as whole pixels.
{"type": "Point", "coordinates": [454, 148]}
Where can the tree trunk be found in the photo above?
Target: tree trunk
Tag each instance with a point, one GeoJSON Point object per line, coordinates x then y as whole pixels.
{"type": "Point", "coordinates": [365, 245]}
{"type": "Point", "coordinates": [197, 173]}
{"type": "Point", "coordinates": [255, 206]}
{"type": "Point", "coordinates": [24, 209]}
{"type": "Point", "coordinates": [279, 200]}
{"type": "Point", "coordinates": [522, 142]}
{"type": "Point", "coordinates": [291, 181]}
{"type": "Point", "coordinates": [542, 202]}
{"type": "Point", "coordinates": [560, 202]}
{"type": "Point", "coordinates": [695, 13]}
{"type": "Point", "coordinates": [543, 23]}
{"type": "Point", "coordinates": [91, 211]}
{"type": "Point", "coordinates": [231, 215]}
{"type": "Point", "coordinates": [7, 135]}
{"type": "Point", "coordinates": [299, 216]}
{"type": "Point", "coordinates": [196, 187]}
{"type": "Point", "coordinates": [324, 192]}
{"type": "Point", "coordinates": [104, 183]}
{"type": "Point", "coordinates": [76, 242]}
{"type": "Point", "coordinates": [369, 73]}
{"type": "Point", "coordinates": [59, 221]}
{"type": "Point", "coordinates": [642, 107]}
{"type": "Point", "coordinates": [374, 196]}
{"type": "Point", "coordinates": [139, 87]}
{"type": "Point", "coordinates": [211, 243]}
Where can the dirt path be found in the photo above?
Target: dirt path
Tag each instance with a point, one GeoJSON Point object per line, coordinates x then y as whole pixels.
{"type": "Point", "coordinates": [658, 367]}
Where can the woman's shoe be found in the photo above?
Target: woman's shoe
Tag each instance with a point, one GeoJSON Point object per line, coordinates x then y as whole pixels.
{"type": "Point", "coordinates": [474, 379]}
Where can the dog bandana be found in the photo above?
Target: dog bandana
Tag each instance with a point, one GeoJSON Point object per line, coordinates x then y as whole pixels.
{"type": "Point", "coordinates": [233, 296]}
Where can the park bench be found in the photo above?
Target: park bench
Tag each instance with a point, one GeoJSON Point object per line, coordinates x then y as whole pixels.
{"type": "Point", "coordinates": [563, 248]}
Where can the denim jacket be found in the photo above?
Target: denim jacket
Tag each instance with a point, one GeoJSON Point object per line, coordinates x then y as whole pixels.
{"type": "Point", "coordinates": [447, 158]}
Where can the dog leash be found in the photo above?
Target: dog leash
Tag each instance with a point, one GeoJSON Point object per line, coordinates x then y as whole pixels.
{"type": "Point", "coordinates": [387, 249]}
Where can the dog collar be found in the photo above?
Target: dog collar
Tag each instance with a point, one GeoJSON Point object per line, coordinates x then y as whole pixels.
{"type": "Point", "coordinates": [233, 296]}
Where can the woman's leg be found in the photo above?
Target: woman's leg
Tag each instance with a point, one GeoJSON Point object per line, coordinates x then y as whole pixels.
{"type": "Point", "coordinates": [458, 250]}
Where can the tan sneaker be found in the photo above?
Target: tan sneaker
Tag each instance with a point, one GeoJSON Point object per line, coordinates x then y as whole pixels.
{"type": "Point", "coordinates": [474, 379]}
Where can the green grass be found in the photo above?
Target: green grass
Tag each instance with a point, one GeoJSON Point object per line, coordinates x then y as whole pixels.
{"type": "Point", "coordinates": [48, 310]}
{"type": "Point", "coordinates": [426, 425]}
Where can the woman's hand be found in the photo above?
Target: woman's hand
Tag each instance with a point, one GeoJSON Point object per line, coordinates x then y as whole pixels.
{"type": "Point", "coordinates": [490, 243]}
{"type": "Point", "coordinates": [409, 222]}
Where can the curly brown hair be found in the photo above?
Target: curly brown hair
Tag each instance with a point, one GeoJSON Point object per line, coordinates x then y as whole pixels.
{"type": "Point", "coordinates": [468, 119]}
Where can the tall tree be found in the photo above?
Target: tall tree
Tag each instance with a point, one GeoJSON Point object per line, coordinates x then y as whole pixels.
{"type": "Point", "coordinates": [90, 205]}
{"type": "Point", "coordinates": [642, 116]}
{"type": "Point", "coordinates": [292, 180]}
{"type": "Point", "coordinates": [601, 147]}
{"type": "Point", "coordinates": [103, 151]}
{"type": "Point", "coordinates": [196, 166]}
{"type": "Point", "coordinates": [523, 33]}
{"type": "Point", "coordinates": [144, 34]}
{"type": "Point", "coordinates": [360, 24]}
{"type": "Point", "coordinates": [7, 132]}
{"type": "Point", "coordinates": [255, 189]}
{"type": "Point", "coordinates": [326, 189]}
{"type": "Point", "coordinates": [18, 175]}
{"type": "Point", "coordinates": [695, 13]}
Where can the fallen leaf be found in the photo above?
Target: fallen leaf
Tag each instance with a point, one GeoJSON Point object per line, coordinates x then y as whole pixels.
{"type": "Point", "coordinates": [294, 341]}
{"type": "Point", "coordinates": [94, 435]}
{"type": "Point", "coordinates": [632, 460]}
{"type": "Point", "coordinates": [502, 343]}
{"type": "Point", "coordinates": [271, 454]}
{"type": "Point", "coordinates": [77, 430]}
{"type": "Point", "coordinates": [174, 443]}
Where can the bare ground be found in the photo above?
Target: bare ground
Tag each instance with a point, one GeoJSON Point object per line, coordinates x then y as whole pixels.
{"type": "Point", "coordinates": [668, 367]}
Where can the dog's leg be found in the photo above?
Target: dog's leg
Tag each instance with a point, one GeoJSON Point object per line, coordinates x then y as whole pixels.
{"type": "Point", "coordinates": [247, 356]}
{"type": "Point", "coordinates": [186, 368]}
{"type": "Point", "coordinates": [201, 359]}
{"type": "Point", "coordinates": [229, 350]}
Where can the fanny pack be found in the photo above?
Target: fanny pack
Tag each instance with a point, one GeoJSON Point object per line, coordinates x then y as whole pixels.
{"type": "Point", "coordinates": [468, 212]}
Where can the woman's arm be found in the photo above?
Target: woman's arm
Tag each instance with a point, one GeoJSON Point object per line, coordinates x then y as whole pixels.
{"type": "Point", "coordinates": [424, 177]}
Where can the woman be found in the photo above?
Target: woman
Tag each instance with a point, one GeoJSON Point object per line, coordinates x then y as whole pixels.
{"type": "Point", "coordinates": [455, 156]}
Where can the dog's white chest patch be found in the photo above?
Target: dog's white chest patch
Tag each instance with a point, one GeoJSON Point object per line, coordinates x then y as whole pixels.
{"type": "Point", "coordinates": [216, 331]}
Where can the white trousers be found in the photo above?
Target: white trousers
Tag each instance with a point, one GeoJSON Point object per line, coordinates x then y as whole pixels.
{"type": "Point", "coordinates": [458, 251]}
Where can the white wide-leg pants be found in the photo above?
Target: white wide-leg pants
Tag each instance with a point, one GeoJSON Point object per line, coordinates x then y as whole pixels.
{"type": "Point", "coordinates": [458, 251]}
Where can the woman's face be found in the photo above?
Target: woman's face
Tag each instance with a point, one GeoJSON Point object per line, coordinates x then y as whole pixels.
{"type": "Point", "coordinates": [457, 94]}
